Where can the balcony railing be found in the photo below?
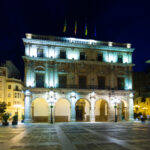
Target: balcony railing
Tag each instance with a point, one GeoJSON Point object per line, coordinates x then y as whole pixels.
{"type": "Point", "coordinates": [90, 87]}
{"type": "Point", "coordinates": [85, 87]}
{"type": "Point", "coordinates": [78, 41]}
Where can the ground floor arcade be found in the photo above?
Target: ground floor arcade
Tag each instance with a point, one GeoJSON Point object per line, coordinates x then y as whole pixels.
{"type": "Point", "coordinates": [89, 106]}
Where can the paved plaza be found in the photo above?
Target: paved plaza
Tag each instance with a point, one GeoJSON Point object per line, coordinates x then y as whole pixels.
{"type": "Point", "coordinates": [76, 136]}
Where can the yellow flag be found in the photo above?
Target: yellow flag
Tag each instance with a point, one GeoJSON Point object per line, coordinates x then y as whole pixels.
{"type": "Point", "coordinates": [86, 30]}
{"type": "Point", "coordinates": [65, 26]}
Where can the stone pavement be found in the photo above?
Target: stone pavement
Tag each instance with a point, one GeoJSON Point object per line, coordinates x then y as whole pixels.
{"type": "Point", "coordinates": [76, 136]}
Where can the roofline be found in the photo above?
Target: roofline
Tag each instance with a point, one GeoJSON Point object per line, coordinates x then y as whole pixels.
{"type": "Point", "coordinates": [76, 41]}
{"type": "Point", "coordinates": [76, 45]}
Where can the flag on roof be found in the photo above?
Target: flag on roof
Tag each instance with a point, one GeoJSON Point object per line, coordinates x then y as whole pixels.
{"type": "Point", "coordinates": [65, 26]}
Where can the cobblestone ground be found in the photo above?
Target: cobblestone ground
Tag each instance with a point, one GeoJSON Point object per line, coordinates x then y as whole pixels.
{"type": "Point", "coordinates": [76, 136]}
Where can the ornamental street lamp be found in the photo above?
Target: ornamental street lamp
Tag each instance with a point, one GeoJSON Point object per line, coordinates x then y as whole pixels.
{"type": "Point", "coordinates": [51, 100]}
{"type": "Point", "coordinates": [115, 101]}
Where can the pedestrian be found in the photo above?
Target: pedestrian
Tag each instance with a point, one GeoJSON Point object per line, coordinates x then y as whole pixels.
{"type": "Point", "coordinates": [142, 119]}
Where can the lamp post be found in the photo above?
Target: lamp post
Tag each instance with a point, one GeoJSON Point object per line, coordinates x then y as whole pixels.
{"type": "Point", "coordinates": [51, 100]}
{"type": "Point", "coordinates": [115, 102]}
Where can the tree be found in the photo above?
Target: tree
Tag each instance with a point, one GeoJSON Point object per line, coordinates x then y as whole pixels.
{"type": "Point", "coordinates": [2, 107]}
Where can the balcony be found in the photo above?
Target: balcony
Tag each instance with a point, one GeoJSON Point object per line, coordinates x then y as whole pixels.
{"type": "Point", "coordinates": [84, 87]}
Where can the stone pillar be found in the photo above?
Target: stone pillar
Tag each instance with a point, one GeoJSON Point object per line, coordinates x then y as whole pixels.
{"type": "Point", "coordinates": [92, 112]}
{"type": "Point", "coordinates": [111, 112]}
{"type": "Point", "coordinates": [73, 109]}
{"type": "Point", "coordinates": [27, 110]}
{"type": "Point", "coordinates": [120, 112]}
{"type": "Point", "coordinates": [131, 107]}
{"type": "Point", "coordinates": [112, 77]}
{"type": "Point", "coordinates": [46, 82]}
{"type": "Point", "coordinates": [56, 78]}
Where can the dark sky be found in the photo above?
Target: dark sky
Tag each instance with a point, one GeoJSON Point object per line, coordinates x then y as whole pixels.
{"type": "Point", "coordinates": [116, 20]}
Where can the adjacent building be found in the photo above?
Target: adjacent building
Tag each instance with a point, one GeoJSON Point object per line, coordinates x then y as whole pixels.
{"type": "Point", "coordinates": [71, 79]}
{"type": "Point", "coordinates": [141, 86]}
{"type": "Point", "coordinates": [11, 88]}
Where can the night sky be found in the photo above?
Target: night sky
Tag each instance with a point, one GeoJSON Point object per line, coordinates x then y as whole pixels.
{"type": "Point", "coordinates": [116, 20]}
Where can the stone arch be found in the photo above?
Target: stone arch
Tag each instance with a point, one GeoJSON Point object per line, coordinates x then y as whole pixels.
{"type": "Point", "coordinates": [39, 68]}
{"type": "Point", "coordinates": [40, 110]}
{"type": "Point", "coordinates": [101, 110]}
{"type": "Point", "coordinates": [82, 108]}
{"type": "Point", "coordinates": [62, 110]}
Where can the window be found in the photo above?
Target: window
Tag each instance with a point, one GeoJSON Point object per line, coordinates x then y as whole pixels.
{"type": "Point", "coordinates": [82, 82]}
{"type": "Point", "coordinates": [63, 54]}
{"type": "Point", "coordinates": [17, 88]}
{"type": "Point", "coordinates": [120, 60]}
{"type": "Point", "coordinates": [9, 94]}
{"type": "Point", "coordinates": [101, 82]}
{"type": "Point", "coordinates": [15, 95]}
{"type": "Point", "coordinates": [143, 99]}
{"type": "Point", "coordinates": [100, 57]}
{"type": "Point", "coordinates": [62, 81]}
{"type": "Point", "coordinates": [39, 52]}
{"type": "Point", "coordinates": [39, 80]}
{"type": "Point", "coordinates": [9, 86]}
{"type": "Point", "coordinates": [82, 56]}
{"type": "Point", "coordinates": [9, 103]}
{"type": "Point", "coordinates": [120, 83]}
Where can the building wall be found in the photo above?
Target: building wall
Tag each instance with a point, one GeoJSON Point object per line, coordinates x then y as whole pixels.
{"type": "Point", "coordinates": [11, 93]}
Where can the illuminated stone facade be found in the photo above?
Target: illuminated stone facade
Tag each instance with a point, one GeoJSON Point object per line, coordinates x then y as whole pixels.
{"type": "Point", "coordinates": [80, 78]}
{"type": "Point", "coordinates": [11, 89]}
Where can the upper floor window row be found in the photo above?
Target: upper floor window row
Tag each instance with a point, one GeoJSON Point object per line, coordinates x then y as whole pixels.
{"type": "Point", "coordinates": [103, 56]}
{"type": "Point", "coordinates": [16, 88]}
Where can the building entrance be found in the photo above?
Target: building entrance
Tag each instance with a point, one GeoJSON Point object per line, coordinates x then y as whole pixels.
{"type": "Point", "coordinates": [101, 110]}
{"type": "Point", "coordinates": [82, 110]}
{"type": "Point", "coordinates": [79, 113]}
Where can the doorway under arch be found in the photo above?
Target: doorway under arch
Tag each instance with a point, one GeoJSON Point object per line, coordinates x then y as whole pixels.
{"type": "Point", "coordinates": [40, 110]}
{"type": "Point", "coordinates": [82, 110]}
{"type": "Point", "coordinates": [101, 110]}
{"type": "Point", "coordinates": [62, 110]}
{"type": "Point", "coordinates": [123, 110]}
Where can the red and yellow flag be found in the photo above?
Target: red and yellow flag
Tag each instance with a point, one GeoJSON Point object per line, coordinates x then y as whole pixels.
{"type": "Point", "coordinates": [75, 28]}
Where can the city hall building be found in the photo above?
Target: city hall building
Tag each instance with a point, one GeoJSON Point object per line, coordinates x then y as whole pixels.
{"type": "Point", "coordinates": [72, 79]}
